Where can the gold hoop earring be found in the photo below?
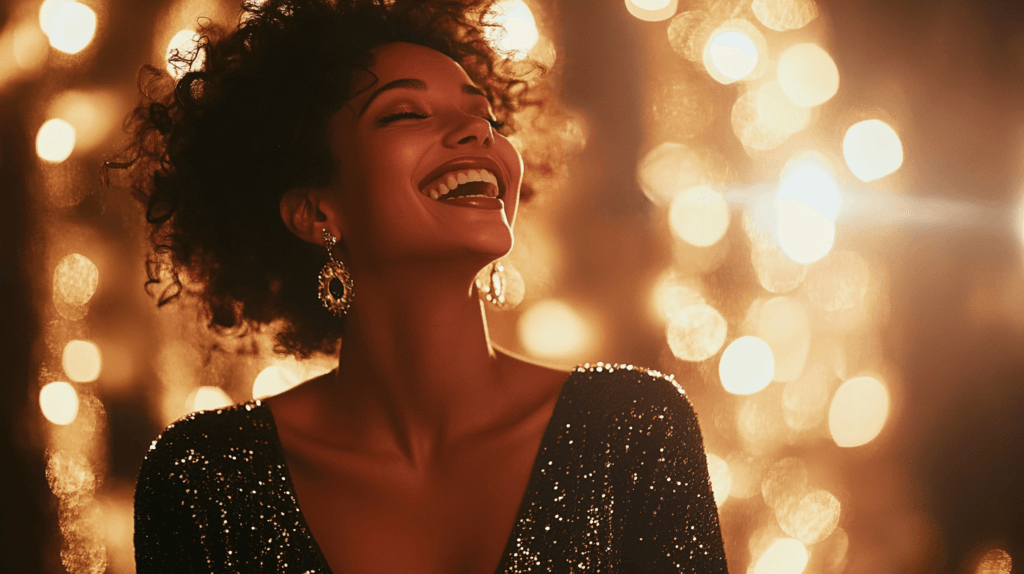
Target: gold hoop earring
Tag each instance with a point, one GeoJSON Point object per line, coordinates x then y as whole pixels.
{"type": "Point", "coordinates": [492, 285]}
{"type": "Point", "coordinates": [335, 283]}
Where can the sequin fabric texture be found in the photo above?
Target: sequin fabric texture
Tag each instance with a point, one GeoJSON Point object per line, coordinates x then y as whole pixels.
{"type": "Point", "coordinates": [620, 485]}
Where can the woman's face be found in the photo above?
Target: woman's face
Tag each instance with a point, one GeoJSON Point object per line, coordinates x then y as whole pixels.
{"type": "Point", "coordinates": [421, 176]}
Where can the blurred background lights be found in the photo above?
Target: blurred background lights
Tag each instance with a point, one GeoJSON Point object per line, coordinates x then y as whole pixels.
{"type": "Point", "coordinates": [552, 329]}
{"type": "Point", "coordinates": [30, 46]}
{"type": "Point", "coordinates": [183, 45]}
{"type": "Point", "coordinates": [764, 118]}
{"type": "Point", "coordinates": [807, 181]}
{"type": "Point", "coordinates": [667, 170]}
{"type": "Point", "coordinates": [784, 556]}
{"type": "Point", "coordinates": [747, 366]}
{"type": "Point", "coordinates": [805, 236]}
{"type": "Point", "coordinates": [696, 332]}
{"type": "Point", "coordinates": [721, 482]}
{"type": "Point", "coordinates": [872, 150]}
{"type": "Point", "coordinates": [805, 400]}
{"type": "Point", "coordinates": [55, 140]}
{"type": "Point", "coordinates": [734, 51]}
{"type": "Point", "coordinates": [784, 482]}
{"type": "Point", "coordinates": [273, 380]}
{"type": "Point", "coordinates": [699, 216]}
{"type": "Point", "coordinates": [652, 10]}
{"type": "Point", "coordinates": [81, 361]}
{"type": "Point", "coordinates": [783, 15]}
{"type": "Point", "coordinates": [784, 326]}
{"type": "Point", "coordinates": [75, 279]}
{"type": "Point", "coordinates": [671, 295]}
{"type": "Point", "coordinates": [208, 398]}
{"type": "Point", "coordinates": [994, 561]}
{"type": "Point", "coordinates": [93, 114]}
{"type": "Point", "coordinates": [59, 403]}
{"type": "Point", "coordinates": [839, 282]}
{"type": "Point", "coordinates": [858, 411]}
{"type": "Point", "coordinates": [811, 518]}
{"type": "Point", "coordinates": [69, 25]}
{"type": "Point", "coordinates": [807, 75]}
{"type": "Point", "coordinates": [517, 30]}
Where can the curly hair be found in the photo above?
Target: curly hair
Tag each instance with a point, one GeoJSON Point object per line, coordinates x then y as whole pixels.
{"type": "Point", "coordinates": [214, 151]}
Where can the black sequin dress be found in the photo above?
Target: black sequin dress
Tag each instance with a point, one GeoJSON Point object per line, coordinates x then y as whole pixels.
{"type": "Point", "coordinates": [619, 485]}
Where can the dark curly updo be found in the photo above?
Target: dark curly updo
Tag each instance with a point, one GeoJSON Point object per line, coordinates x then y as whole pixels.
{"type": "Point", "coordinates": [214, 151]}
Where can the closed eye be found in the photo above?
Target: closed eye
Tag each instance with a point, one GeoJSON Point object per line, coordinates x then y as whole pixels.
{"type": "Point", "coordinates": [401, 116]}
{"type": "Point", "coordinates": [495, 124]}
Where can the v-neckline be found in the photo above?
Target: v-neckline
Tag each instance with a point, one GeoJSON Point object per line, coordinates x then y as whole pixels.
{"type": "Point", "coordinates": [546, 437]}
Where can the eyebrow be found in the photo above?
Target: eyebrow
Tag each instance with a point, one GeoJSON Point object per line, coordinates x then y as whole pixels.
{"type": "Point", "coordinates": [413, 84]}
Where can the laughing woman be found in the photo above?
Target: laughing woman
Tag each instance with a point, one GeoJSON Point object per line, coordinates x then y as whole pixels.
{"type": "Point", "coordinates": [340, 167]}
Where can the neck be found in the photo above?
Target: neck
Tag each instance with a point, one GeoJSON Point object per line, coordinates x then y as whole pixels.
{"type": "Point", "coordinates": [416, 362]}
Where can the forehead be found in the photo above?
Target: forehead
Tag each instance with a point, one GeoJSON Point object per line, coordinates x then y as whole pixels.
{"type": "Point", "coordinates": [399, 60]}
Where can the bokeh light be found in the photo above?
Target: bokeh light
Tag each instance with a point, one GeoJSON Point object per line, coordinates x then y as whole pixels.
{"type": "Point", "coordinates": [735, 51]}
{"type": "Point", "coordinates": [807, 75]}
{"type": "Point", "coordinates": [872, 150]}
{"type": "Point", "coordinates": [858, 411]}
{"type": "Point", "coordinates": [699, 216]}
{"type": "Point", "coordinates": [784, 483]}
{"type": "Point", "coordinates": [839, 282]}
{"type": "Point", "coordinates": [784, 556]}
{"type": "Point", "coordinates": [776, 272]}
{"type": "Point", "coordinates": [811, 518]}
{"type": "Point", "coordinates": [783, 15]}
{"type": "Point", "coordinates": [683, 34]}
{"type": "Point", "coordinates": [273, 380]}
{"type": "Point", "coordinates": [183, 45]}
{"type": "Point", "coordinates": [81, 361]}
{"type": "Point", "coordinates": [805, 400]}
{"type": "Point", "coordinates": [514, 31]}
{"type": "Point", "coordinates": [696, 332]}
{"type": "Point", "coordinates": [672, 294]}
{"type": "Point", "coordinates": [682, 108]}
{"type": "Point", "coordinates": [208, 399]}
{"type": "Point", "coordinates": [652, 10]}
{"type": "Point", "coordinates": [759, 423]}
{"type": "Point", "coordinates": [746, 471]}
{"type": "Point", "coordinates": [552, 329]}
{"type": "Point", "coordinates": [55, 140]}
{"type": "Point", "coordinates": [806, 180]}
{"type": "Point", "coordinates": [764, 118]}
{"type": "Point", "coordinates": [807, 204]}
{"type": "Point", "coordinates": [994, 561]}
{"type": "Point", "coordinates": [747, 366]}
{"type": "Point", "coordinates": [59, 403]}
{"type": "Point", "coordinates": [782, 323]}
{"type": "Point", "coordinates": [95, 114]}
{"type": "Point", "coordinates": [721, 481]}
{"type": "Point", "coordinates": [69, 25]}
{"type": "Point", "coordinates": [669, 169]}
{"type": "Point", "coordinates": [75, 279]}
{"type": "Point", "coordinates": [30, 46]}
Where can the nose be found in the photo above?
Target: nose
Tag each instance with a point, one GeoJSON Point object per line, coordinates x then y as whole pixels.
{"type": "Point", "coordinates": [468, 129]}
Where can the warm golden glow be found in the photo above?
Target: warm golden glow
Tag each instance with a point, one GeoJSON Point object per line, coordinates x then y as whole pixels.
{"type": "Point", "coordinates": [207, 399]}
{"type": "Point", "coordinates": [735, 51]}
{"type": "Point", "coordinates": [516, 32]}
{"type": "Point", "coordinates": [808, 75]}
{"type": "Point", "coordinates": [552, 329]}
{"type": "Point", "coordinates": [721, 481]}
{"type": "Point", "coordinates": [839, 282]}
{"type": "Point", "coordinates": [30, 46]}
{"type": "Point", "coordinates": [805, 400]}
{"type": "Point", "coordinates": [94, 115]}
{"type": "Point", "coordinates": [684, 37]}
{"type": "Point", "coordinates": [183, 45]}
{"type": "Point", "coordinates": [858, 411]}
{"type": "Point", "coordinates": [746, 472]}
{"type": "Point", "coordinates": [69, 25]}
{"type": "Point", "coordinates": [288, 373]}
{"type": "Point", "coordinates": [810, 519]}
{"type": "Point", "coordinates": [696, 332]}
{"type": "Point", "coordinates": [81, 361]}
{"type": "Point", "coordinates": [671, 295]}
{"type": "Point", "coordinates": [75, 279]}
{"type": "Point", "coordinates": [784, 483]}
{"type": "Point", "coordinates": [59, 403]}
{"type": "Point", "coordinates": [806, 180]}
{"type": "Point", "coordinates": [872, 150]}
{"type": "Point", "coordinates": [699, 216]}
{"type": "Point", "coordinates": [805, 236]}
{"type": "Point", "coordinates": [776, 272]}
{"type": "Point", "coordinates": [759, 423]}
{"type": "Point", "coordinates": [784, 556]}
{"type": "Point", "coordinates": [764, 118]}
{"type": "Point", "coordinates": [668, 170]}
{"type": "Point", "coordinates": [55, 140]}
{"type": "Point", "coordinates": [784, 326]}
{"type": "Point", "coordinates": [747, 366]}
{"type": "Point", "coordinates": [652, 10]}
{"type": "Point", "coordinates": [994, 561]}
{"type": "Point", "coordinates": [69, 474]}
{"type": "Point", "coordinates": [783, 15]}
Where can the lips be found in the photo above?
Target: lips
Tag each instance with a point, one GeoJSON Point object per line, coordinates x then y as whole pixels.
{"type": "Point", "coordinates": [471, 176]}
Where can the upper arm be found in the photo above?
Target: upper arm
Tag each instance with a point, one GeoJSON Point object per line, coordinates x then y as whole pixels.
{"type": "Point", "coordinates": [162, 532]}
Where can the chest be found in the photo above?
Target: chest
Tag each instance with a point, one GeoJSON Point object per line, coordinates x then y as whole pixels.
{"type": "Point", "coordinates": [369, 515]}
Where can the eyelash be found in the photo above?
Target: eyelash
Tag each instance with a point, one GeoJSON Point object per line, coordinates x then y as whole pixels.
{"type": "Point", "coordinates": [495, 124]}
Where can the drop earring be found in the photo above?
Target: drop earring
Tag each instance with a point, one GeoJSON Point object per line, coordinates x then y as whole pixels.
{"type": "Point", "coordinates": [492, 285]}
{"type": "Point", "coordinates": [335, 282]}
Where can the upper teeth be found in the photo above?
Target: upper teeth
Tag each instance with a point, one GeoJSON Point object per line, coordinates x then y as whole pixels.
{"type": "Point", "coordinates": [454, 179]}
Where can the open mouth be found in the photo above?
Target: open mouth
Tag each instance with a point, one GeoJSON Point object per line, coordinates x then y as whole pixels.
{"type": "Point", "coordinates": [477, 182]}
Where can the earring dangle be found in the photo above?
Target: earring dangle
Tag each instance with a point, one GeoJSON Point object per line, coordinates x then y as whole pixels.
{"type": "Point", "coordinates": [492, 285]}
{"type": "Point", "coordinates": [335, 282]}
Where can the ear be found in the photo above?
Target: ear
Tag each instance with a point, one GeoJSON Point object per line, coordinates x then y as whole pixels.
{"type": "Point", "coordinates": [301, 213]}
